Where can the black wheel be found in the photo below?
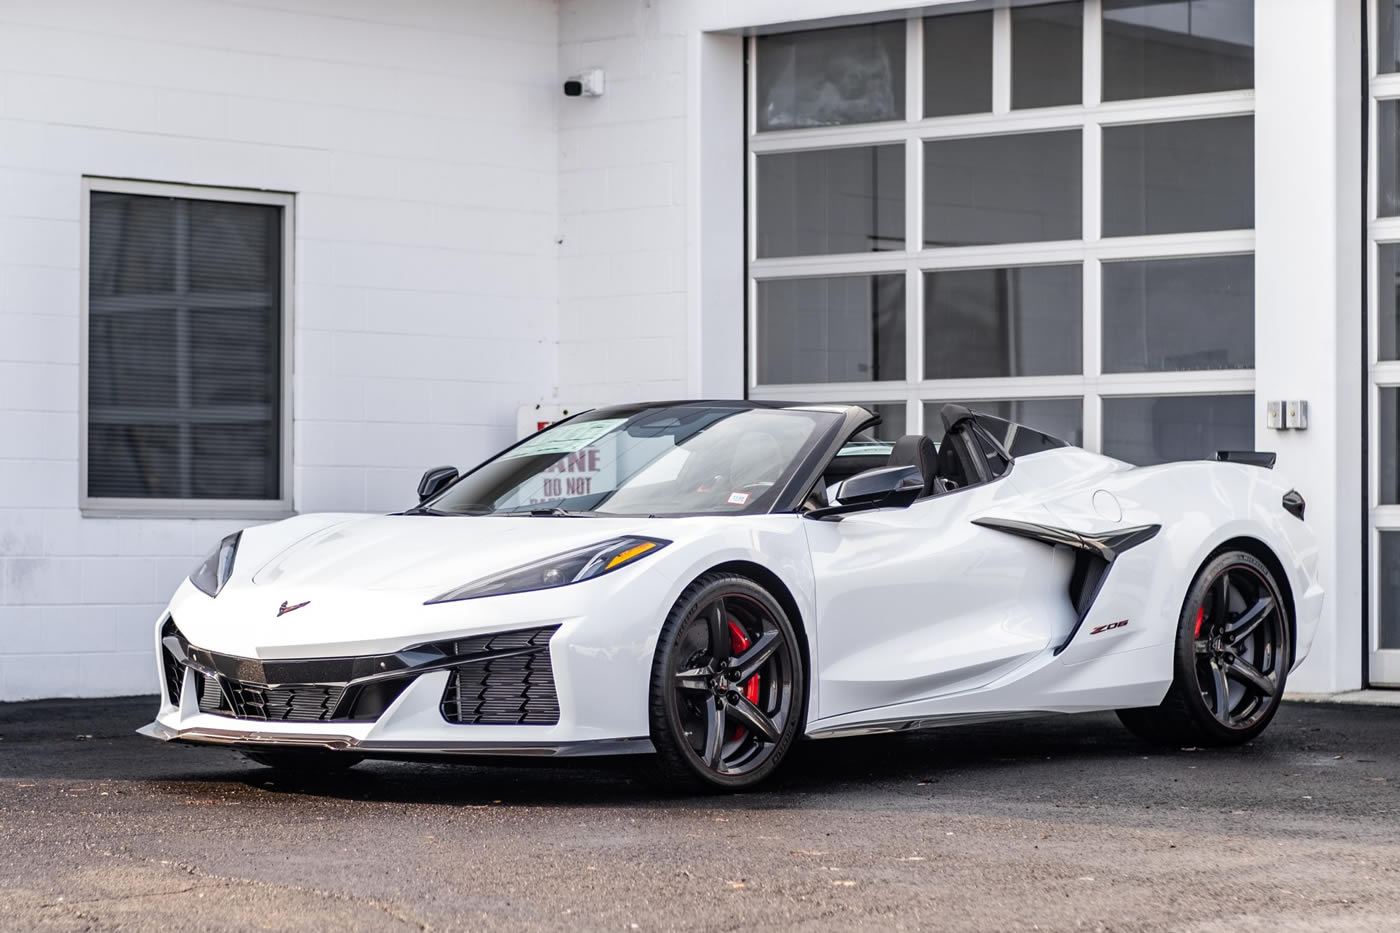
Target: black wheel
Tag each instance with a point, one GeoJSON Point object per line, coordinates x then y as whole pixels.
{"type": "Point", "coordinates": [304, 760]}
{"type": "Point", "coordinates": [727, 687]}
{"type": "Point", "coordinates": [1232, 656]}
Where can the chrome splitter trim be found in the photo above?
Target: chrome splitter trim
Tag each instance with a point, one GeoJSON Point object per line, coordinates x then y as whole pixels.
{"type": "Point", "coordinates": [212, 736]}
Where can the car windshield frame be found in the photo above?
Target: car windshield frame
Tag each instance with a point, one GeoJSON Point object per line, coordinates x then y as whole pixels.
{"type": "Point", "coordinates": [479, 491]}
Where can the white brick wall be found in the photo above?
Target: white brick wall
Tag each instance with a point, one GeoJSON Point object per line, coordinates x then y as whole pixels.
{"type": "Point", "coordinates": [622, 202]}
{"type": "Point", "coordinates": [421, 140]}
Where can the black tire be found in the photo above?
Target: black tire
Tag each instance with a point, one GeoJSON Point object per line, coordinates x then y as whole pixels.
{"type": "Point", "coordinates": [697, 693]}
{"type": "Point", "coordinates": [1233, 649]}
{"type": "Point", "coordinates": [307, 761]}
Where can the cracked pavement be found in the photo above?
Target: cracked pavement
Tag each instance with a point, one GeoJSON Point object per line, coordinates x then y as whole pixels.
{"type": "Point", "coordinates": [1063, 823]}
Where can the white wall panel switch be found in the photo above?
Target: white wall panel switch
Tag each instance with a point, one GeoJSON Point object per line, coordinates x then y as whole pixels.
{"type": "Point", "coordinates": [1274, 416]}
{"type": "Point", "coordinates": [1296, 415]}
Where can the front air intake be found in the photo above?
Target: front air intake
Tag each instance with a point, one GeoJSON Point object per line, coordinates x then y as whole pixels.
{"type": "Point", "coordinates": [173, 667]}
{"type": "Point", "coordinates": [511, 685]}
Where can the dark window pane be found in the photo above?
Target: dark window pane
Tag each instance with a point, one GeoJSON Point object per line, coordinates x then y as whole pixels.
{"type": "Point", "coordinates": [1168, 315]}
{"type": "Point", "coordinates": [143, 227]}
{"type": "Point", "coordinates": [1181, 427]}
{"type": "Point", "coordinates": [957, 64]}
{"type": "Point", "coordinates": [129, 354]}
{"type": "Point", "coordinates": [1387, 158]}
{"type": "Point", "coordinates": [1180, 177]}
{"type": "Point", "coordinates": [1388, 301]}
{"type": "Point", "coordinates": [838, 329]}
{"type": "Point", "coordinates": [1389, 586]}
{"type": "Point", "coordinates": [1158, 48]}
{"type": "Point", "coordinates": [1023, 321]}
{"type": "Point", "coordinates": [1047, 55]}
{"type": "Point", "coordinates": [1387, 36]}
{"type": "Point", "coordinates": [1389, 420]}
{"type": "Point", "coordinates": [232, 246]}
{"type": "Point", "coordinates": [1060, 417]}
{"type": "Point", "coordinates": [831, 201]}
{"type": "Point", "coordinates": [184, 348]}
{"type": "Point", "coordinates": [1003, 189]}
{"type": "Point", "coordinates": [827, 77]}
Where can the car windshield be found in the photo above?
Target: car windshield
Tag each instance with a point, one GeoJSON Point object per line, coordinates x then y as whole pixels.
{"type": "Point", "coordinates": [659, 460]}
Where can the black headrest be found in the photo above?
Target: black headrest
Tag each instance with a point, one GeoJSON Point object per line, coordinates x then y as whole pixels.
{"type": "Point", "coordinates": [916, 450]}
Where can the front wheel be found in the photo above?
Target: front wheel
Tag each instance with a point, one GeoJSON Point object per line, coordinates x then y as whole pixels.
{"type": "Point", "coordinates": [727, 686]}
{"type": "Point", "coordinates": [1231, 662]}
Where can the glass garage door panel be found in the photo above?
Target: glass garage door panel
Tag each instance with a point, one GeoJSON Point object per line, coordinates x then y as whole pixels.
{"type": "Point", "coordinates": [1160, 48]}
{"type": "Point", "coordinates": [1020, 321]}
{"type": "Point", "coordinates": [958, 64]}
{"type": "Point", "coordinates": [1047, 55]}
{"type": "Point", "coordinates": [831, 201]}
{"type": "Point", "coordinates": [832, 329]}
{"type": "Point", "coordinates": [831, 77]}
{"type": "Point", "coordinates": [1016, 188]}
{"type": "Point", "coordinates": [1160, 429]}
{"type": "Point", "coordinates": [1184, 176]}
{"type": "Point", "coordinates": [1388, 591]}
{"type": "Point", "coordinates": [1174, 315]}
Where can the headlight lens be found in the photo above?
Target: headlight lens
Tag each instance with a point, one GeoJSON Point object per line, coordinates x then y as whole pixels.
{"type": "Point", "coordinates": [213, 572]}
{"type": "Point", "coordinates": [585, 563]}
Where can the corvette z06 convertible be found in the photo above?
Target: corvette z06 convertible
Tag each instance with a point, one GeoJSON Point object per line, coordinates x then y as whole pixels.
{"type": "Point", "coordinates": [703, 583]}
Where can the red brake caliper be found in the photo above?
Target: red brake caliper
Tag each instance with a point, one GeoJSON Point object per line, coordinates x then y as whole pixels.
{"type": "Point", "coordinates": [739, 643]}
{"type": "Point", "coordinates": [1200, 616]}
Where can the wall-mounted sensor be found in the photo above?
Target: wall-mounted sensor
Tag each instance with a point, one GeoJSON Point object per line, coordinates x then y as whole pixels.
{"type": "Point", "coordinates": [588, 84]}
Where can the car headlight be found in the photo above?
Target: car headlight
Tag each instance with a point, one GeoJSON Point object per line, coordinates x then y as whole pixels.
{"type": "Point", "coordinates": [575, 566]}
{"type": "Point", "coordinates": [213, 572]}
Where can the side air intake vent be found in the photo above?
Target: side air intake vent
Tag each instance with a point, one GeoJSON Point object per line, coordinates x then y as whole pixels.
{"type": "Point", "coordinates": [173, 665]}
{"type": "Point", "coordinates": [512, 685]}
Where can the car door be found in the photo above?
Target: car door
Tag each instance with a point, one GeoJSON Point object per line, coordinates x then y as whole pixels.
{"type": "Point", "coordinates": [918, 602]}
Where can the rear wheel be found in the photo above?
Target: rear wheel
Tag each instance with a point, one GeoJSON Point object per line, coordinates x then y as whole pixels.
{"type": "Point", "coordinates": [727, 686]}
{"type": "Point", "coordinates": [304, 760]}
{"type": "Point", "coordinates": [1231, 662]}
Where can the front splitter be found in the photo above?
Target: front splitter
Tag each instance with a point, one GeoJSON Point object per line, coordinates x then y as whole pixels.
{"type": "Point", "coordinates": [205, 735]}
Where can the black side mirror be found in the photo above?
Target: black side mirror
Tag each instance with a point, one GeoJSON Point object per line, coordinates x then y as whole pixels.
{"type": "Point", "coordinates": [881, 488]}
{"type": "Point", "coordinates": [435, 481]}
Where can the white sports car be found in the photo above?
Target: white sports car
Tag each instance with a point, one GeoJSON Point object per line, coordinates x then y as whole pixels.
{"type": "Point", "coordinates": [704, 582]}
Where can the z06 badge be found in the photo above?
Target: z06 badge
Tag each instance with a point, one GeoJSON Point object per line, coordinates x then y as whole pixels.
{"type": "Point", "coordinates": [1111, 625]}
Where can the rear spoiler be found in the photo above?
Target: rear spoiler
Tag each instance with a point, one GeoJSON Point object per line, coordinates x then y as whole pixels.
{"type": "Point", "coordinates": [1259, 458]}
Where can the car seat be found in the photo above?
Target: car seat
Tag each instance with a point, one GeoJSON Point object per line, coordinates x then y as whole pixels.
{"type": "Point", "coordinates": [917, 450]}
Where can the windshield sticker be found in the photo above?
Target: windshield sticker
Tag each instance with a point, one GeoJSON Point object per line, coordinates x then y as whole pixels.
{"type": "Point", "coordinates": [565, 439]}
{"type": "Point", "coordinates": [737, 498]}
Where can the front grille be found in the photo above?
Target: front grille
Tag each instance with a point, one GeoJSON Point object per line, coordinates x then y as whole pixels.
{"type": "Point", "coordinates": [503, 678]}
{"type": "Point", "coordinates": [310, 703]}
{"type": "Point", "coordinates": [514, 690]}
{"type": "Point", "coordinates": [211, 696]}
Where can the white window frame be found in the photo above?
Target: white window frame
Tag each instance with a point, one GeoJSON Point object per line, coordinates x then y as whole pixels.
{"type": "Point", "coordinates": [258, 509]}
{"type": "Point", "coordinates": [1384, 374]}
{"type": "Point", "coordinates": [1090, 117]}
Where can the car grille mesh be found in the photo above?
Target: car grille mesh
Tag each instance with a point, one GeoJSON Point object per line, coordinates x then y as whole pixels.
{"type": "Point", "coordinates": [312, 703]}
{"type": "Point", "coordinates": [514, 690]}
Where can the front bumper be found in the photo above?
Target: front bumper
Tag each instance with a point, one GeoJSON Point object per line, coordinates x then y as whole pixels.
{"type": "Point", "coordinates": [479, 695]}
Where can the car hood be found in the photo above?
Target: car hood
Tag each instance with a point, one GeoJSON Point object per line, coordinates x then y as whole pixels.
{"type": "Point", "coordinates": [424, 552]}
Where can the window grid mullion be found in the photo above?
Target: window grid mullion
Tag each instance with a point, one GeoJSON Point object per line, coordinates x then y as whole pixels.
{"type": "Point", "coordinates": [1093, 54]}
{"type": "Point", "coordinates": [1001, 61]}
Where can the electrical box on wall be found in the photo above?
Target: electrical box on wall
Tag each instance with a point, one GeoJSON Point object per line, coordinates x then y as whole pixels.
{"type": "Point", "coordinates": [1289, 415]}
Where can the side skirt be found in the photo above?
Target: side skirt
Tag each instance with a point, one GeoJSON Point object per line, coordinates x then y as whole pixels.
{"type": "Point", "coordinates": [928, 722]}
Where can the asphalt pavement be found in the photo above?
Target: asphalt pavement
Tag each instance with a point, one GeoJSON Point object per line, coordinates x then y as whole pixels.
{"type": "Point", "coordinates": [1064, 823]}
